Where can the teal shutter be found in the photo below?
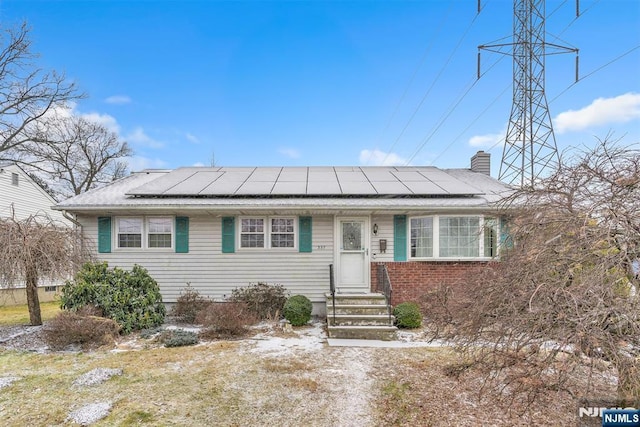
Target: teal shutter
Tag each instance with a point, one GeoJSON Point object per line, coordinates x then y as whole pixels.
{"type": "Point", "coordinates": [228, 235]}
{"type": "Point", "coordinates": [399, 237]}
{"type": "Point", "coordinates": [182, 234]}
{"type": "Point", "coordinates": [104, 234]}
{"type": "Point", "coordinates": [304, 234]}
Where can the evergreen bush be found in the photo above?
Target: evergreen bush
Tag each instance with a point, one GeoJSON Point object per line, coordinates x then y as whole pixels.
{"type": "Point", "coordinates": [178, 338]}
{"type": "Point", "coordinates": [131, 298]}
{"type": "Point", "coordinates": [408, 315]}
{"type": "Point", "coordinates": [297, 310]}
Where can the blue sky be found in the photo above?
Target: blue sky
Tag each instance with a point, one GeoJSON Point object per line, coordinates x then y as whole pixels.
{"type": "Point", "coordinates": [285, 83]}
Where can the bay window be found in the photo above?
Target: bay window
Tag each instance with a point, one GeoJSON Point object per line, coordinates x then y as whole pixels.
{"type": "Point", "coordinates": [453, 237]}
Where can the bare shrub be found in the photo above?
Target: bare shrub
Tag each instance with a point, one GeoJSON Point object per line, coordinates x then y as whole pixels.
{"type": "Point", "coordinates": [69, 328]}
{"type": "Point", "coordinates": [225, 319]}
{"type": "Point", "coordinates": [264, 300]}
{"type": "Point", "coordinates": [189, 304]}
{"type": "Point", "coordinates": [563, 302]}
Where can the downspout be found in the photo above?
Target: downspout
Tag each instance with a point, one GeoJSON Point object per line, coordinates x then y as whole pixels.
{"type": "Point", "coordinates": [72, 219]}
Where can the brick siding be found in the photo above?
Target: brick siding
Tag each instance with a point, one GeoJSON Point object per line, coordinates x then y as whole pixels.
{"type": "Point", "coordinates": [411, 280]}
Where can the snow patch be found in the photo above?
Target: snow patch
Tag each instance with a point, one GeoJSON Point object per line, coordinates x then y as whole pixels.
{"type": "Point", "coordinates": [96, 376]}
{"type": "Point", "coordinates": [7, 381]}
{"type": "Point", "coordinates": [89, 414]}
{"type": "Point", "coordinates": [306, 339]}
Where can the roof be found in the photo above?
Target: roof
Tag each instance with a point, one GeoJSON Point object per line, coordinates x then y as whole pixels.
{"type": "Point", "coordinates": [293, 188]}
{"type": "Point", "coordinates": [306, 181]}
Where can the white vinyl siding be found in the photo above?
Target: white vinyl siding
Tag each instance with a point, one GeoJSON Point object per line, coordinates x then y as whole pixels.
{"type": "Point", "coordinates": [385, 232]}
{"type": "Point", "coordinates": [26, 198]}
{"type": "Point", "coordinates": [215, 274]}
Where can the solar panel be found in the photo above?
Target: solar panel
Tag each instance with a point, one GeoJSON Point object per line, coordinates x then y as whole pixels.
{"type": "Point", "coordinates": [339, 180]}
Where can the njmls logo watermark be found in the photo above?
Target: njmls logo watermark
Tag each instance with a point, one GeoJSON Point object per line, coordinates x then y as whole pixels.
{"type": "Point", "coordinates": [608, 413]}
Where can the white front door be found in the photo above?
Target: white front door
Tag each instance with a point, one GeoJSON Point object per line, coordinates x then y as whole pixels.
{"type": "Point", "coordinates": [353, 255]}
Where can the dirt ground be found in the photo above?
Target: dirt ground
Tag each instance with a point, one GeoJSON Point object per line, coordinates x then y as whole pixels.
{"type": "Point", "coordinates": [270, 378]}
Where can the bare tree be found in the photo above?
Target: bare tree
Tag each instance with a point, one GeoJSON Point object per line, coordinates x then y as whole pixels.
{"type": "Point", "coordinates": [74, 154]}
{"type": "Point", "coordinates": [26, 92]}
{"type": "Point", "coordinates": [564, 299]}
{"type": "Point", "coordinates": [38, 248]}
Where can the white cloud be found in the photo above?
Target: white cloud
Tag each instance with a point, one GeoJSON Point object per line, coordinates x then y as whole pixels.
{"type": "Point", "coordinates": [104, 119]}
{"type": "Point", "coordinates": [118, 100]}
{"type": "Point", "coordinates": [198, 164]}
{"type": "Point", "coordinates": [138, 163]}
{"type": "Point", "coordinates": [487, 140]}
{"type": "Point", "coordinates": [291, 153]}
{"type": "Point", "coordinates": [192, 138]}
{"type": "Point", "coordinates": [602, 111]}
{"type": "Point", "coordinates": [380, 158]}
{"type": "Point", "coordinates": [139, 137]}
{"type": "Point", "coordinates": [70, 110]}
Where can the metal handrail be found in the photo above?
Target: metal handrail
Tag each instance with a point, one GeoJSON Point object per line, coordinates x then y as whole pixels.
{"type": "Point", "coordinates": [384, 282]}
{"type": "Point", "coordinates": [332, 288]}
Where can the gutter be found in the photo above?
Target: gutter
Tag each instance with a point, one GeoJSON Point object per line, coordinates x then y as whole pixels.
{"type": "Point", "coordinates": [72, 219]}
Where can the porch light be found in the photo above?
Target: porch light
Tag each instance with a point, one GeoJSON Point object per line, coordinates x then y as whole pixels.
{"type": "Point", "coordinates": [375, 229]}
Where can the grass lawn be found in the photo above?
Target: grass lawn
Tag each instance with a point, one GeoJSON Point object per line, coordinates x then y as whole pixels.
{"type": "Point", "coordinates": [229, 383]}
{"type": "Point", "coordinates": [19, 314]}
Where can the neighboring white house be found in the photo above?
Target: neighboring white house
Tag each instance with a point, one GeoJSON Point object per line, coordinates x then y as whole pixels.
{"type": "Point", "coordinates": [22, 197]}
{"type": "Point", "coordinates": [224, 227]}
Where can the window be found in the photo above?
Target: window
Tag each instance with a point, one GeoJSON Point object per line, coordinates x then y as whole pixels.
{"type": "Point", "coordinates": [159, 232]}
{"type": "Point", "coordinates": [252, 233]}
{"type": "Point", "coordinates": [459, 237]}
{"type": "Point", "coordinates": [141, 233]}
{"type": "Point", "coordinates": [275, 232]}
{"type": "Point", "coordinates": [15, 179]}
{"type": "Point", "coordinates": [442, 237]}
{"type": "Point", "coordinates": [282, 233]}
{"type": "Point", "coordinates": [421, 237]}
{"type": "Point", "coordinates": [490, 237]}
{"type": "Point", "coordinates": [129, 232]}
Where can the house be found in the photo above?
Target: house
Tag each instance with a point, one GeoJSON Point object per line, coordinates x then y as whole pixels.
{"type": "Point", "coordinates": [219, 228]}
{"type": "Point", "coordinates": [22, 196]}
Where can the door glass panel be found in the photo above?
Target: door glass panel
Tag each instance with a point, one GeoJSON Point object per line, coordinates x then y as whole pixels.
{"type": "Point", "coordinates": [352, 236]}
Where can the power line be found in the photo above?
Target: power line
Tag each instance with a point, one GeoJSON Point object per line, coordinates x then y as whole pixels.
{"type": "Point", "coordinates": [595, 71]}
{"type": "Point", "coordinates": [491, 104]}
{"type": "Point", "coordinates": [411, 80]}
{"type": "Point", "coordinates": [415, 111]}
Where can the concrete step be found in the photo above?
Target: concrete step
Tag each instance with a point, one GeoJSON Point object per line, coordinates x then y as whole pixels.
{"type": "Point", "coordinates": [360, 320]}
{"type": "Point", "coordinates": [358, 299]}
{"type": "Point", "coordinates": [384, 333]}
{"type": "Point", "coordinates": [357, 308]}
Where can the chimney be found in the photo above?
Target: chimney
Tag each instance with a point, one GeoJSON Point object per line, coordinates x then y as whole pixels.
{"type": "Point", "coordinates": [481, 162]}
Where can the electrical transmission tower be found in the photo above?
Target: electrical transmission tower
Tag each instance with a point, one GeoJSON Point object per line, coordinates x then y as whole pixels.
{"type": "Point", "coordinates": [530, 145]}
